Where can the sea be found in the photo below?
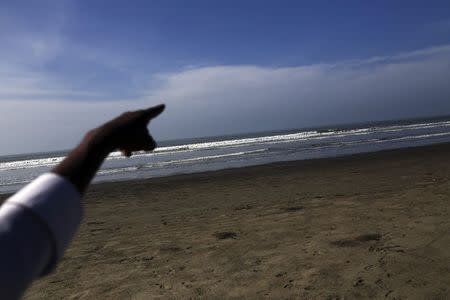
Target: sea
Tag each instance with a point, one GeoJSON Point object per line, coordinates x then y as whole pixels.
{"type": "Point", "coordinates": [235, 151]}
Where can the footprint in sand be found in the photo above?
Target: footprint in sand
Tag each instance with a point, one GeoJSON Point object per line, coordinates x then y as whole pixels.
{"type": "Point", "coordinates": [225, 235]}
{"type": "Point", "coordinates": [356, 241]}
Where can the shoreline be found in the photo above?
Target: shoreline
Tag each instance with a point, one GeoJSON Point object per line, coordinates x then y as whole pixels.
{"type": "Point", "coordinates": [292, 163]}
{"type": "Point", "coordinates": [285, 164]}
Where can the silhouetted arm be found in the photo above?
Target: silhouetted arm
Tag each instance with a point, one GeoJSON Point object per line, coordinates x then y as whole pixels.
{"type": "Point", "coordinates": [127, 133]}
{"type": "Point", "coordinates": [38, 222]}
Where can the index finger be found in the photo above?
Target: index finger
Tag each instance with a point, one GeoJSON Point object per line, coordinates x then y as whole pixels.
{"type": "Point", "coordinates": [154, 111]}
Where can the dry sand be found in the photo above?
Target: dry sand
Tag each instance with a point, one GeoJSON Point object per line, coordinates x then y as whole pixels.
{"type": "Point", "coordinates": [365, 226]}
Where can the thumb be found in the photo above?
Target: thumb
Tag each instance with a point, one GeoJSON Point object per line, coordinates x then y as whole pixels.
{"type": "Point", "coordinates": [149, 143]}
{"type": "Point", "coordinates": [126, 152]}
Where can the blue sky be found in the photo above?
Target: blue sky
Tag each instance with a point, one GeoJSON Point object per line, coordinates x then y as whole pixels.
{"type": "Point", "coordinates": [221, 66]}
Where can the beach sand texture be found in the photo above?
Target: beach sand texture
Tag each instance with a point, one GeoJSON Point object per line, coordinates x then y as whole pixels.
{"type": "Point", "coordinates": [372, 225]}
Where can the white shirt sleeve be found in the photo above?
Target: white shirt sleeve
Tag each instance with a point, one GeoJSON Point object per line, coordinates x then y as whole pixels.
{"type": "Point", "coordinates": [36, 226]}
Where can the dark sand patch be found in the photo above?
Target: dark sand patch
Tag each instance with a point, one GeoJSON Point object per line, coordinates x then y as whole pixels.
{"type": "Point", "coordinates": [358, 240]}
{"type": "Point", "coordinates": [225, 235]}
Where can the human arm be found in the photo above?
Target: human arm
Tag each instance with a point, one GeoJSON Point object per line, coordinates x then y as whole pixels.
{"type": "Point", "coordinates": [128, 133]}
{"type": "Point", "coordinates": [39, 221]}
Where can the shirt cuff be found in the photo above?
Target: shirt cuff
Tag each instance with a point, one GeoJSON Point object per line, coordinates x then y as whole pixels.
{"type": "Point", "coordinates": [57, 202]}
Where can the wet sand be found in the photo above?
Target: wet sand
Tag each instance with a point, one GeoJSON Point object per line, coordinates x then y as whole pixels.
{"type": "Point", "coordinates": [372, 225]}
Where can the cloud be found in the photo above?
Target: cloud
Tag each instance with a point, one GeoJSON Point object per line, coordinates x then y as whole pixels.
{"type": "Point", "coordinates": [226, 99]}
{"type": "Point", "coordinates": [216, 100]}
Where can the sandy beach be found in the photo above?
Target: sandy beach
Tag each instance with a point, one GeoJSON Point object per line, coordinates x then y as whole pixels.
{"type": "Point", "coordinates": [365, 226]}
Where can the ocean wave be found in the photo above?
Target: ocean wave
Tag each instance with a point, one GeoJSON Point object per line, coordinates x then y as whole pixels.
{"type": "Point", "coordinates": [21, 182]}
{"type": "Point", "coordinates": [30, 163]}
{"type": "Point", "coordinates": [178, 162]}
{"type": "Point", "coordinates": [422, 136]}
{"type": "Point", "coordinates": [378, 141]}
{"type": "Point", "coordinates": [319, 134]}
{"type": "Point", "coordinates": [211, 157]}
{"type": "Point", "coordinates": [117, 170]}
{"type": "Point", "coordinates": [264, 140]}
{"type": "Point", "coordinates": [243, 153]}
